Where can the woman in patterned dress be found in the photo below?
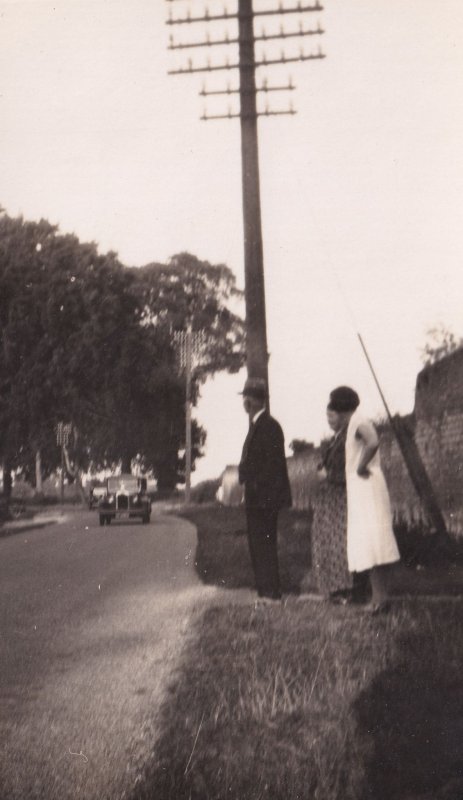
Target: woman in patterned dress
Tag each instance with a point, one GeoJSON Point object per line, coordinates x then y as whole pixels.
{"type": "Point", "coordinates": [329, 527]}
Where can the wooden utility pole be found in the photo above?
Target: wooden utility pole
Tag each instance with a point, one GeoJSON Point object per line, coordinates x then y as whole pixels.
{"type": "Point", "coordinates": [63, 432]}
{"type": "Point", "coordinates": [256, 326]}
{"type": "Point", "coordinates": [248, 91]}
{"type": "Point", "coordinates": [189, 345]}
{"type": "Point", "coordinates": [188, 367]}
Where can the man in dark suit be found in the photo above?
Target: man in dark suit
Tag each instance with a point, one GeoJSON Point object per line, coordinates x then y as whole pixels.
{"type": "Point", "coordinates": [263, 472]}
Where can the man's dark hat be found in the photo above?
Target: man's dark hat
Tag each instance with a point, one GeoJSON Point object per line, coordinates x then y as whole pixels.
{"type": "Point", "coordinates": [343, 398]}
{"type": "Point", "coordinates": [255, 387]}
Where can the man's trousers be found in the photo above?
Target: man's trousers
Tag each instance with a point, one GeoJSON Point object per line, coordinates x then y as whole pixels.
{"type": "Point", "coordinates": [262, 539]}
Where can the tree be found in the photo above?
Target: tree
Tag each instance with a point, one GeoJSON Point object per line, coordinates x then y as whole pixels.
{"type": "Point", "coordinates": [187, 290]}
{"type": "Point", "coordinates": [299, 446]}
{"type": "Point", "coordinates": [70, 326]}
{"type": "Point", "coordinates": [442, 342]}
{"type": "Point", "coordinates": [85, 340]}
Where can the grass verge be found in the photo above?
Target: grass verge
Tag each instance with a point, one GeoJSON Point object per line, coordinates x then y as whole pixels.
{"type": "Point", "coordinates": [314, 702]}
{"type": "Point", "coordinates": [222, 556]}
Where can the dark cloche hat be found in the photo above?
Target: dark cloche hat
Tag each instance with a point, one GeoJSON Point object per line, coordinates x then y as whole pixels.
{"type": "Point", "coordinates": [255, 387]}
{"type": "Point", "coordinates": [343, 398]}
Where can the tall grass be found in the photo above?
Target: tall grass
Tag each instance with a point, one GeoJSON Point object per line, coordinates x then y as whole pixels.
{"type": "Point", "coordinates": [311, 702]}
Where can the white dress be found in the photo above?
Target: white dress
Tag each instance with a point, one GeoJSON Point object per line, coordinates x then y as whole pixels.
{"type": "Point", "coordinates": [370, 538]}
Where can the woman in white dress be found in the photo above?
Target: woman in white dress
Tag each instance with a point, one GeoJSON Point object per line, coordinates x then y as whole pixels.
{"type": "Point", "coordinates": [371, 543]}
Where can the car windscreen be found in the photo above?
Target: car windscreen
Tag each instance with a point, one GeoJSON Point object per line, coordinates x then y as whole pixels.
{"type": "Point", "coordinates": [116, 485]}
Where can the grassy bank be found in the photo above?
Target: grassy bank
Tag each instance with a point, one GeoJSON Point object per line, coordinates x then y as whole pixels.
{"type": "Point", "coordinates": [312, 702]}
{"type": "Point", "coordinates": [222, 555]}
{"type": "Point", "coordinates": [308, 701]}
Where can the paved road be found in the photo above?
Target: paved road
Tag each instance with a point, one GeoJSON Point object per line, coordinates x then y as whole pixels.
{"type": "Point", "coordinates": [92, 622]}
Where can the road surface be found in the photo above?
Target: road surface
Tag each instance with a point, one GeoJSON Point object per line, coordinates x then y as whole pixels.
{"type": "Point", "coordinates": [92, 622]}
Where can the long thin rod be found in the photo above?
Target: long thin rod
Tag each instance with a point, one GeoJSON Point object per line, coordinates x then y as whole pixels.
{"type": "Point", "coordinates": [413, 461]}
{"type": "Point", "coordinates": [375, 377]}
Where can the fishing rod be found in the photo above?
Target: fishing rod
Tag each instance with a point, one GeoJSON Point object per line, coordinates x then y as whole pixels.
{"type": "Point", "coordinates": [411, 455]}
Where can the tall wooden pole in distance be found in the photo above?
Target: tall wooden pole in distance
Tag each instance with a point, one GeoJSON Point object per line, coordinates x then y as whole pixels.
{"type": "Point", "coordinates": [189, 345]}
{"type": "Point", "coordinates": [188, 367]}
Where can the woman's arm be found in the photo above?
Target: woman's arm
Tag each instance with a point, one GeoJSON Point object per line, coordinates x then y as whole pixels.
{"type": "Point", "coordinates": [369, 437]}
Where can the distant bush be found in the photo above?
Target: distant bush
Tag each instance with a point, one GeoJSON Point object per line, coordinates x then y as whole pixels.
{"type": "Point", "coordinates": [205, 492]}
{"type": "Point", "coordinates": [164, 494]}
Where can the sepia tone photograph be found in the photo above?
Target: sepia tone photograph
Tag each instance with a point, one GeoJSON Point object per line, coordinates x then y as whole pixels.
{"type": "Point", "coordinates": [231, 400]}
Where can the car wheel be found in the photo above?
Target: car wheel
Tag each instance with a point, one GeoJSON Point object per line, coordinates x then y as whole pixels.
{"type": "Point", "coordinates": [102, 519]}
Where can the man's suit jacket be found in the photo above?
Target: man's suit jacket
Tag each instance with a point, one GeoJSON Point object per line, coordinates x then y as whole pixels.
{"type": "Point", "coordinates": [263, 468]}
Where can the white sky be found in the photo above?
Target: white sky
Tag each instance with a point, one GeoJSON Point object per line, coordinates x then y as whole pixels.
{"type": "Point", "coordinates": [362, 190]}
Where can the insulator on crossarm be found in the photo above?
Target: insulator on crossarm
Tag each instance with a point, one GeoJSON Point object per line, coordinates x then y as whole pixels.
{"type": "Point", "coordinates": [227, 36]}
{"type": "Point", "coordinates": [301, 26]}
{"type": "Point", "coordinates": [301, 52]}
{"type": "Point", "coordinates": [190, 64]}
{"type": "Point", "coordinates": [203, 90]}
{"type": "Point", "coordinates": [265, 85]}
{"type": "Point", "coordinates": [206, 13]}
{"type": "Point", "coordinates": [229, 111]}
{"type": "Point", "coordinates": [290, 83]}
{"type": "Point", "coordinates": [171, 40]}
{"type": "Point", "coordinates": [228, 88]}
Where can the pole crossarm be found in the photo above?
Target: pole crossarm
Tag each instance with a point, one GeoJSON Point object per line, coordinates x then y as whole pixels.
{"type": "Point", "coordinates": [226, 15]}
{"type": "Point", "coordinates": [288, 87]}
{"type": "Point", "coordinates": [267, 113]}
{"type": "Point", "coordinates": [265, 62]}
{"type": "Point", "coordinates": [264, 37]}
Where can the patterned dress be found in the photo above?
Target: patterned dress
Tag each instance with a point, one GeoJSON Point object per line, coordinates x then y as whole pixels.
{"type": "Point", "coordinates": [329, 527]}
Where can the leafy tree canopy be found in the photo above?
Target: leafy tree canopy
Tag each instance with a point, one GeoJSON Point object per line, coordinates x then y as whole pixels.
{"type": "Point", "coordinates": [86, 340]}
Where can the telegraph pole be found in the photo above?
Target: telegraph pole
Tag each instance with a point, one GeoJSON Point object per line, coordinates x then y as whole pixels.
{"type": "Point", "coordinates": [248, 91]}
{"type": "Point", "coordinates": [189, 346]}
{"type": "Point", "coordinates": [256, 325]}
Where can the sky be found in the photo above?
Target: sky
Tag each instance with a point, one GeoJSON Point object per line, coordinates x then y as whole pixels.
{"type": "Point", "coordinates": [361, 190]}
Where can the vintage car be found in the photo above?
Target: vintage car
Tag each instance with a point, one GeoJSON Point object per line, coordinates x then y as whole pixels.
{"type": "Point", "coordinates": [125, 498]}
